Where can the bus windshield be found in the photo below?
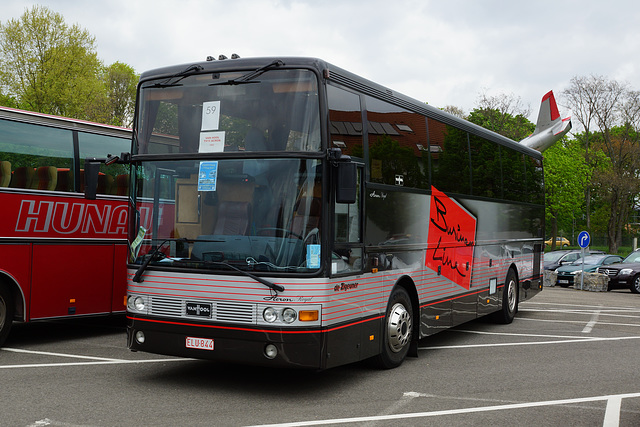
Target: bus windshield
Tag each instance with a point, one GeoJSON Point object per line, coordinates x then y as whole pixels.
{"type": "Point", "coordinates": [277, 110]}
{"type": "Point", "coordinates": [253, 214]}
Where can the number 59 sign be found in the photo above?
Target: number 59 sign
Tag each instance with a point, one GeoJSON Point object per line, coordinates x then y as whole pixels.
{"type": "Point", "coordinates": [210, 115]}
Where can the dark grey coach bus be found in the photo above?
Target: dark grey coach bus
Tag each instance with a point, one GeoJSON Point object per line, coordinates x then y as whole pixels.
{"type": "Point", "coordinates": [304, 216]}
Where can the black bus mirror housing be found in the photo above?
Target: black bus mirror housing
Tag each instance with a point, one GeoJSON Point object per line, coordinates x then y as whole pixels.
{"type": "Point", "coordinates": [91, 172]}
{"type": "Point", "coordinates": [345, 175]}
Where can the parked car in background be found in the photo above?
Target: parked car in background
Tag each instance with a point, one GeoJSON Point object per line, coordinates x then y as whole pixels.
{"type": "Point", "coordinates": [590, 263]}
{"type": "Point", "coordinates": [555, 259]}
{"type": "Point", "coordinates": [625, 274]}
{"type": "Point", "coordinates": [561, 242]}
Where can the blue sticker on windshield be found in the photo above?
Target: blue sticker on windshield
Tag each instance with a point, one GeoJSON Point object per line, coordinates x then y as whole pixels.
{"type": "Point", "coordinates": [208, 176]}
{"type": "Point", "coordinates": [313, 256]}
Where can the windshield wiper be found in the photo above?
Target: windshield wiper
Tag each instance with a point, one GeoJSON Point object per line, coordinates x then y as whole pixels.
{"type": "Point", "coordinates": [180, 75]}
{"type": "Point", "coordinates": [247, 78]}
{"type": "Point", "coordinates": [268, 284]}
{"type": "Point", "coordinates": [138, 276]}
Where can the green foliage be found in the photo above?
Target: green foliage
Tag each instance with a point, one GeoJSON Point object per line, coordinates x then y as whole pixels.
{"type": "Point", "coordinates": [566, 175]}
{"type": "Point", "coordinates": [50, 67]}
{"type": "Point", "coordinates": [515, 127]}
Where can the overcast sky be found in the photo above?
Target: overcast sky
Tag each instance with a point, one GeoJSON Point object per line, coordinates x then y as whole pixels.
{"type": "Point", "coordinates": [444, 52]}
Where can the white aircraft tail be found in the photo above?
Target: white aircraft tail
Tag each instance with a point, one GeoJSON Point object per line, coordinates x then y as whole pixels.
{"type": "Point", "coordinates": [549, 127]}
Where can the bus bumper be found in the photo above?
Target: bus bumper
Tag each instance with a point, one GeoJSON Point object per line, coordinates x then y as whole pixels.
{"type": "Point", "coordinates": [273, 348]}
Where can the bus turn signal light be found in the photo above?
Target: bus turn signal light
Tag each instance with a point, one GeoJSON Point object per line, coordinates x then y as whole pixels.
{"type": "Point", "coordinates": [308, 315]}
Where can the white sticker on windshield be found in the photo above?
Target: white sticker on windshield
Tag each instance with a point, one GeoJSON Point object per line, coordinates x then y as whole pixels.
{"type": "Point", "coordinates": [313, 256]}
{"type": "Point", "coordinates": [210, 115]}
{"type": "Point", "coordinates": [208, 176]}
{"type": "Point", "coordinates": [211, 142]}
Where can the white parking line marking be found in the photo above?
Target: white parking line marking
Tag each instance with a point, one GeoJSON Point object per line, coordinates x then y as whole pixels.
{"type": "Point", "coordinates": [506, 407]}
{"type": "Point", "coordinates": [94, 360]}
{"type": "Point", "coordinates": [578, 321]}
{"type": "Point", "coordinates": [528, 303]}
{"type": "Point", "coordinates": [612, 414]}
{"type": "Point", "coordinates": [604, 312]}
{"type": "Point", "coordinates": [48, 353]}
{"type": "Point", "coordinates": [594, 319]}
{"type": "Point", "coordinates": [513, 344]}
{"type": "Point", "coordinates": [113, 362]}
{"type": "Point", "coordinates": [509, 334]}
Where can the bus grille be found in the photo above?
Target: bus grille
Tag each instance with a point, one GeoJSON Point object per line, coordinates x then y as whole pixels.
{"type": "Point", "coordinates": [165, 306]}
{"type": "Point", "coordinates": [234, 312]}
{"type": "Point", "coordinates": [222, 311]}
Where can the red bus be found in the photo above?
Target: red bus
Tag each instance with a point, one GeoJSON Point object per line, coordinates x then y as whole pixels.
{"type": "Point", "coordinates": [318, 218]}
{"type": "Point", "coordinates": [61, 255]}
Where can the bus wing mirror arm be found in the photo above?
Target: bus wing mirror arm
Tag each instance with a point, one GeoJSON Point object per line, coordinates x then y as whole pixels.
{"type": "Point", "coordinates": [123, 158]}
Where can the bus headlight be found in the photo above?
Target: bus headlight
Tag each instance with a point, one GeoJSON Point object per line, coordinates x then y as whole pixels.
{"type": "Point", "coordinates": [270, 314]}
{"type": "Point", "coordinates": [289, 315]}
{"type": "Point", "coordinates": [136, 303]}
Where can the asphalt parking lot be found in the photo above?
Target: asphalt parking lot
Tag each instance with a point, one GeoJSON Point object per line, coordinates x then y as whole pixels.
{"type": "Point", "coordinates": [570, 357]}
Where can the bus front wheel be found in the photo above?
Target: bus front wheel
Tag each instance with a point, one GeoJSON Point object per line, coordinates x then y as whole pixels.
{"type": "Point", "coordinates": [398, 330]}
{"type": "Point", "coordinates": [6, 312]}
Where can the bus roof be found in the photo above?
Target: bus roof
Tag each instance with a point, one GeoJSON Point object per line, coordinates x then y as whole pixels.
{"type": "Point", "coordinates": [59, 121]}
{"type": "Point", "coordinates": [344, 77]}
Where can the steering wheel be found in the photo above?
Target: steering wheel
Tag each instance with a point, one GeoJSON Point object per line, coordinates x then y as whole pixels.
{"type": "Point", "coordinates": [283, 230]}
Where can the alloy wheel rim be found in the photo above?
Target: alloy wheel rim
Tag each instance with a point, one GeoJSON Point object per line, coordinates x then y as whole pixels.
{"type": "Point", "coordinates": [511, 296]}
{"type": "Point", "coordinates": [399, 327]}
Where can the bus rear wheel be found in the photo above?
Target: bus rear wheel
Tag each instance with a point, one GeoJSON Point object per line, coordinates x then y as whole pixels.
{"type": "Point", "coordinates": [398, 330]}
{"type": "Point", "coordinates": [6, 312]}
{"type": "Point", "coordinates": [509, 307]}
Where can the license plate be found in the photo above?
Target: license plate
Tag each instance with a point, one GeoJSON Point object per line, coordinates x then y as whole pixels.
{"type": "Point", "coordinates": [198, 309]}
{"type": "Point", "coordinates": [563, 281]}
{"type": "Point", "coordinates": [199, 343]}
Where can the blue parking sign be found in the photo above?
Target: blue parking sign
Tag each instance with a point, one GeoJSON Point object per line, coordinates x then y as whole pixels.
{"type": "Point", "coordinates": [584, 239]}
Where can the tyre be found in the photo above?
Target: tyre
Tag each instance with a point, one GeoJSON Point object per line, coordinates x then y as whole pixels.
{"type": "Point", "coordinates": [509, 300]}
{"type": "Point", "coordinates": [398, 330]}
{"type": "Point", "coordinates": [635, 285]}
{"type": "Point", "coordinates": [6, 312]}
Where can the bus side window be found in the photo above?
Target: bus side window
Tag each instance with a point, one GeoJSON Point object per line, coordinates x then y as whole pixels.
{"type": "Point", "coordinates": [347, 250]}
{"type": "Point", "coordinates": [92, 145]}
{"type": "Point", "coordinates": [33, 154]}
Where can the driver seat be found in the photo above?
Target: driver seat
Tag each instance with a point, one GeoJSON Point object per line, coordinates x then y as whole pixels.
{"type": "Point", "coordinates": [234, 218]}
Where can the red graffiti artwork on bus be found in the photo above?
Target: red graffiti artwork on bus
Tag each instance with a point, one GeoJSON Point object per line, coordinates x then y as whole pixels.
{"type": "Point", "coordinates": [452, 233]}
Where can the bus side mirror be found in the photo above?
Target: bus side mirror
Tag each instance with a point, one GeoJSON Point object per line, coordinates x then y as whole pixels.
{"type": "Point", "coordinates": [346, 177]}
{"type": "Point", "coordinates": [346, 182]}
{"type": "Point", "coordinates": [91, 172]}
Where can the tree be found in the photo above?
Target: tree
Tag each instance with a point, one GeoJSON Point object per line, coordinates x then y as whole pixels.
{"type": "Point", "coordinates": [566, 174]}
{"type": "Point", "coordinates": [115, 104]}
{"type": "Point", "coordinates": [618, 183]}
{"type": "Point", "coordinates": [456, 111]}
{"type": "Point", "coordinates": [46, 65]}
{"type": "Point", "coordinates": [50, 67]}
{"type": "Point", "coordinates": [503, 114]}
{"type": "Point", "coordinates": [593, 101]}
{"type": "Point", "coordinates": [610, 115]}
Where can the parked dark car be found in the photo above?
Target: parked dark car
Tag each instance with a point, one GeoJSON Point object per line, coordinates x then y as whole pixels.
{"type": "Point", "coordinates": [567, 272]}
{"type": "Point", "coordinates": [555, 259]}
{"type": "Point", "coordinates": [625, 274]}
